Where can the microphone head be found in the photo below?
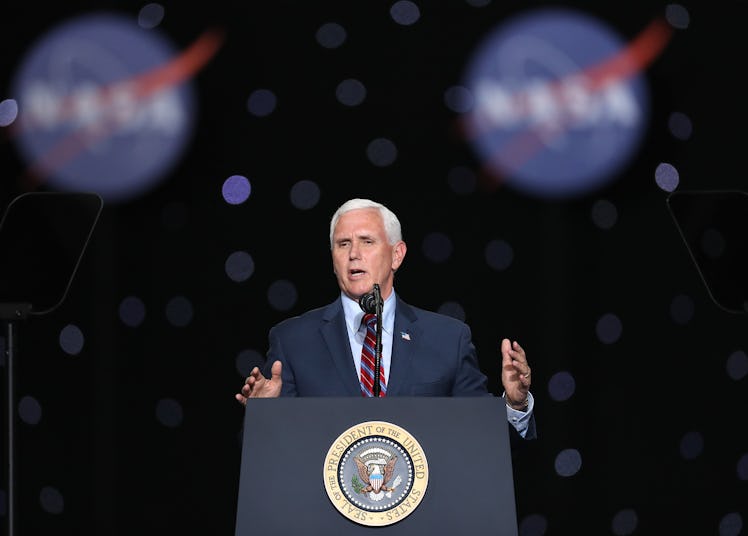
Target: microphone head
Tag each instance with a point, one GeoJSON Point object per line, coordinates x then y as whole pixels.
{"type": "Point", "coordinates": [368, 303]}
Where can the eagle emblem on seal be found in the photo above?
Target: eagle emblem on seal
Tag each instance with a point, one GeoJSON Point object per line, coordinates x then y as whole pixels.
{"type": "Point", "coordinates": [376, 467]}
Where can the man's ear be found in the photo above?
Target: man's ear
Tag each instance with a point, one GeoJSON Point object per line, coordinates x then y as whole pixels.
{"type": "Point", "coordinates": [398, 254]}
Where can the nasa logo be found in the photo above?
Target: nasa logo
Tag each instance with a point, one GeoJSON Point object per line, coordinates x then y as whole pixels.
{"type": "Point", "coordinates": [559, 102]}
{"type": "Point", "coordinates": [93, 114]}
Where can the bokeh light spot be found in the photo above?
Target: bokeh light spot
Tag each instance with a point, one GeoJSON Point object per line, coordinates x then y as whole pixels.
{"type": "Point", "coordinates": [71, 339]}
{"type": "Point", "coordinates": [169, 412]}
{"type": "Point", "coordinates": [239, 266]}
{"type": "Point", "coordinates": [29, 410]}
{"type": "Point", "coordinates": [452, 309]}
{"type": "Point", "coordinates": [437, 247]}
{"type": "Point", "coordinates": [282, 295]}
{"type": "Point", "coordinates": [236, 189]}
{"type": "Point", "coordinates": [682, 309]}
{"type": "Point", "coordinates": [737, 365]}
{"type": "Point", "coordinates": [179, 311]}
{"type": "Point", "coordinates": [568, 462]}
{"type": "Point", "coordinates": [499, 254]}
{"type": "Point", "coordinates": [51, 500]}
{"type": "Point", "coordinates": [132, 311]}
{"type": "Point", "coordinates": [666, 177]}
{"type": "Point", "coordinates": [150, 15]}
{"type": "Point", "coordinates": [246, 360]}
{"type": "Point", "coordinates": [331, 35]}
{"type": "Point", "coordinates": [680, 125]}
{"type": "Point", "coordinates": [381, 152]}
{"type": "Point", "coordinates": [261, 102]}
{"type": "Point", "coordinates": [742, 467]}
{"type": "Point", "coordinates": [561, 386]}
{"type": "Point", "coordinates": [533, 525]}
{"type": "Point", "coordinates": [405, 12]}
{"type": "Point", "coordinates": [305, 195]}
{"type": "Point", "coordinates": [459, 99]}
{"type": "Point", "coordinates": [350, 92]}
{"type": "Point", "coordinates": [677, 16]}
{"type": "Point", "coordinates": [731, 524]}
{"type": "Point", "coordinates": [691, 445]}
{"type": "Point", "coordinates": [604, 214]}
{"type": "Point", "coordinates": [624, 522]}
{"type": "Point", "coordinates": [8, 112]}
{"type": "Point", "coordinates": [609, 328]}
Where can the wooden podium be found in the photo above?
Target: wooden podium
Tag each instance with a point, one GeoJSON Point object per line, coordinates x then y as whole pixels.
{"type": "Point", "coordinates": [450, 470]}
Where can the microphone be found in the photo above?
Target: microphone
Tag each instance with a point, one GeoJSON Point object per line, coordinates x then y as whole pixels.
{"type": "Point", "coordinates": [372, 303]}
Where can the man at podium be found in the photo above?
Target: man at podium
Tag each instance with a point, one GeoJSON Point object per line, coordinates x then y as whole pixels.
{"type": "Point", "coordinates": [327, 351]}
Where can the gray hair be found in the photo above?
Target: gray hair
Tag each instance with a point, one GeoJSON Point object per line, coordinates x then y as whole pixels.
{"type": "Point", "coordinates": [391, 223]}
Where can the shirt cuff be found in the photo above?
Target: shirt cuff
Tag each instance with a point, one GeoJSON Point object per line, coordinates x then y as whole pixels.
{"type": "Point", "coordinates": [520, 419]}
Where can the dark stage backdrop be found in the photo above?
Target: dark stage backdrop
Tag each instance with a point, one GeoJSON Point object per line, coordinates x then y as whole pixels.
{"type": "Point", "coordinates": [222, 136]}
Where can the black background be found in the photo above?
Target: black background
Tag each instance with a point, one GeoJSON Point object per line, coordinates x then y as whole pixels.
{"type": "Point", "coordinates": [120, 470]}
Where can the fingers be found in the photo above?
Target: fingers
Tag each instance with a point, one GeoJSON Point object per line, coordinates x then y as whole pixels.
{"type": "Point", "coordinates": [276, 370]}
{"type": "Point", "coordinates": [514, 355]}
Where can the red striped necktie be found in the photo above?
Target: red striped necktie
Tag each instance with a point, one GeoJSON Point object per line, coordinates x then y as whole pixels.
{"type": "Point", "coordinates": [367, 359]}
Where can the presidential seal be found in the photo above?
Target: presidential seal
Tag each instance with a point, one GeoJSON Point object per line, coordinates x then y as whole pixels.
{"type": "Point", "coordinates": [375, 473]}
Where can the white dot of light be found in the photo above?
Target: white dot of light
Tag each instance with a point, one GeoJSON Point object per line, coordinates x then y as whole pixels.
{"type": "Point", "coordinates": [568, 462]}
{"type": "Point", "coordinates": [691, 445]}
{"type": "Point", "coordinates": [405, 12]}
{"type": "Point", "coordinates": [236, 189]}
{"type": "Point", "coordinates": [246, 360]}
{"type": "Point", "coordinates": [261, 102]}
{"type": "Point", "coordinates": [29, 410]}
{"type": "Point", "coordinates": [179, 311]}
{"type": "Point", "coordinates": [350, 92]}
{"type": "Point", "coordinates": [239, 266]}
{"type": "Point", "coordinates": [459, 99]}
{"type": "Point", "coordinates": [737, 365]}
{"type": "Point", "coordinates": [8, 112]}
{"type": "Point", "coordinates": [169, 412]}
{"type": "Point", "coordinates": [533, 525]}
{"type": "Point", "coordinates": [609, 328]}
{"type": "Point", "coordinates": [331, 35]}
{"type": "Point", "coordinates": [604, 214]}
{"type": "Point", "coordinates": [682, 309]}
{"type": "Point", "coordinates": [731, 524]}
{"type": "Point", "coordinates": [462, 180]}
{"type": "Point", "coordinates": [132, 311]}
{"type": "Point", "coordinates": [561, 386]}
{"type": "Point", "coordinates": [499, 254]}
{"type": "Point", "coordinates": [282, 295]}
{"type": "Point", "coordinates": [174, 215]}
{"type": "Point", "coordinates": [381, 152]}
{"type": "Point", "coordinates": [452, 309]}
{"type": "Point", "coordinates": [51, 500]}
{"type": "Point", "coordinates": [742, 467]}
{"type": "Point", "coordinates": [624, 522]}
{"type": "Point", "coordinates": [666, 177]}
{"type": "Point", "coordinates": [305, 195]}
{"type": "Point", "coordinates": [71, 339]}
{"type": "Point", "coordinates": [150, 16]}
{"type": "Point", "coordinates": [680, 125]}
{"type": "Point", "coordinates": [677, 16]}
{"type": "Point", "coordinates": [437, 247]}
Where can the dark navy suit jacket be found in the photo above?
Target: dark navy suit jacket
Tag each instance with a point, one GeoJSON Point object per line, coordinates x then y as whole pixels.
{"type": "Point", "coordinates": [432, 355]}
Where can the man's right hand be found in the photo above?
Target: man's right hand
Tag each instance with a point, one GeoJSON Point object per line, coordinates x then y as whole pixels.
{"type": "Point", "coordinates": [258, 386]}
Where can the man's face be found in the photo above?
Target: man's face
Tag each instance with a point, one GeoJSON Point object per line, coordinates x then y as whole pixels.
{"type": "Point", "coordinates": [361, 255]}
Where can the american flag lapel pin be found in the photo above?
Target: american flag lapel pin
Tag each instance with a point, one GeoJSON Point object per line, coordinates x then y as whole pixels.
{"type": "Point", "coordinates": [405, 336]}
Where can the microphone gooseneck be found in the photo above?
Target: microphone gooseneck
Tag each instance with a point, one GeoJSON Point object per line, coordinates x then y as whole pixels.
{"type": "Point", "coordinates": [372, 303]}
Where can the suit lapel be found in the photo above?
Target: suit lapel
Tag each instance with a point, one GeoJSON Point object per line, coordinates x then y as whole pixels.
{"type": "Point", "coordinates": [335, 334]}
{"type": "Point", "coordinates": [404, 342]}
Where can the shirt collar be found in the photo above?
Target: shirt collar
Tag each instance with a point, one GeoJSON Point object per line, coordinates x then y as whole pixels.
{"type": "Point", "coordinates": [354, 315]}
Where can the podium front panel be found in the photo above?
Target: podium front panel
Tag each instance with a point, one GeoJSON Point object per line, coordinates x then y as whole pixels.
{"type": "Point", "coordinates": [465, 442]}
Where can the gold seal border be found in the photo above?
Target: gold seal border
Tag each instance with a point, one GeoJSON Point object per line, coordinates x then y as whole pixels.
{"type": "Point", "coordinates": [362, 431]}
